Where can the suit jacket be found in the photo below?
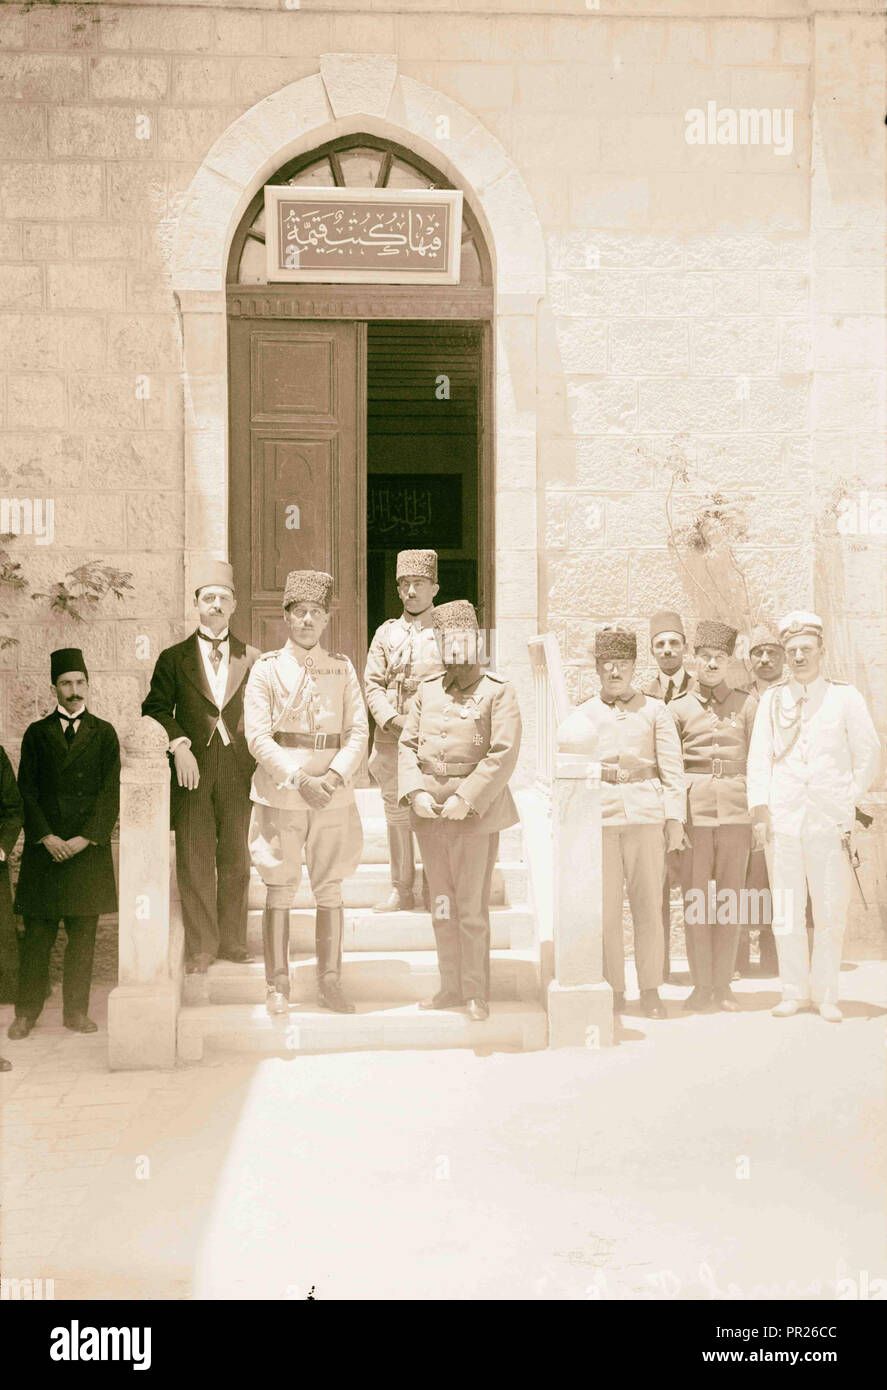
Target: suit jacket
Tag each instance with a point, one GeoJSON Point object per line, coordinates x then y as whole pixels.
{"type": "Point", "coordinates": [10, 825]}
{"type": "Point", "coordinates": [653, 688]}
{"type": "Point", "coordinates": [478, 725]}
{"type": "Point", "coordinates": [68, 789]}
{"type": "Point", "coordinates": [180, 699]}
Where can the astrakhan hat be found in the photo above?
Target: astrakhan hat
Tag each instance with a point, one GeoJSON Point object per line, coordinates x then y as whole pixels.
{"type": "Point", "coordinates": [799, 623]}
{"type": "Point", "coordinates": [763, 636]}
{"type": "Point", "coordinates": [64, 660]}
{"type": "Point", "coordinates": [710, 633]}
{"type": "Point", "coordinates": [308, 586]}
{"type": "Point", "coordinates": [665, 621]}
{"type": "Point", "coordinates": [417, 563]}
{"type": "Point", "coordinates": [458, 616]}
{"type": "Point", "coordinates": [213, 572]}
{"type": "Point", "coordinates": [612, 642]}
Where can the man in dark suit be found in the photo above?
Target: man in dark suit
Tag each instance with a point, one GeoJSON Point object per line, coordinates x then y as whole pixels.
{"type": "Point", "coordinates": [10, 825]}
{"type": "Point", "coordinates": [69, 779]}
{"type": "Point", "coordinates": [197, 695]}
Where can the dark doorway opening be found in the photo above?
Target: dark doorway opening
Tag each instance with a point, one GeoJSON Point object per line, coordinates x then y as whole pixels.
{"type": "Point", "coordinates": [423, 438]}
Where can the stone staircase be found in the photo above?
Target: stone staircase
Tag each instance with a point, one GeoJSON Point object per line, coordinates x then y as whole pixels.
{"type": "Point", "coordinates": [389, 964]}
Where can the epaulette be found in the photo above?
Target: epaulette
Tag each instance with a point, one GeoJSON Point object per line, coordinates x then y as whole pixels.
{"type": "Point", "coordinates": [266, 656]}
{"type": "Point", "coordinates": [432, 677]}
{"type": "Point", "coordinates": [831, 681]}
{"type": "Point", "coordinates": [493, 676]}
{"type": "Point", "coordinates": [338, 656]}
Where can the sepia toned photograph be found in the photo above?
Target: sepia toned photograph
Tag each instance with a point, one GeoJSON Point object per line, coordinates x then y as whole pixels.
{"type": "Point", "coordinates": [443, 666]}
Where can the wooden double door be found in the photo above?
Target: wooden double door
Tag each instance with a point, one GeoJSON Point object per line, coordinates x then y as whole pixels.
{"type": "Point", "coordinates": [301, 470]}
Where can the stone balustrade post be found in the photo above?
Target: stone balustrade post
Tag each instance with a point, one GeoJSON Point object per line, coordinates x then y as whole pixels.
{"type": "Point", "coordinates": [580, 1002]}
{"type": "Point", "coordinates": [143, 1009]}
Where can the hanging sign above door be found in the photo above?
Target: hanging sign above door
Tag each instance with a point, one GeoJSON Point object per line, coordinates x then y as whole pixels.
{"type": "Point", "coordinates": [363, 235]}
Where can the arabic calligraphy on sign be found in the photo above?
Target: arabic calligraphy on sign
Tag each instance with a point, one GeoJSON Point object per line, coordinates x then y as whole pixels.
{"type": "Point", "coordinates": [405, 509]}
{"type": "Point", "coordinates": [329, 234]}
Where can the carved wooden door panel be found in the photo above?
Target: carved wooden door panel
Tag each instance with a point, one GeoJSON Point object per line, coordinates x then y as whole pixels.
{"type": "Point", "coordinates": [297, 472]}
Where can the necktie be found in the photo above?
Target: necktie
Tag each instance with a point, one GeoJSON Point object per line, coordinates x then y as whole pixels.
{"type": "Point", "coordinates": [215, 656]}
{"type": "Point", "coordinates": [68, 723]}
{"type": "Point", "coordinates": [669, 694]}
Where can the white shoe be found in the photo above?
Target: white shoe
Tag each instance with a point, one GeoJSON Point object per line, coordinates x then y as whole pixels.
{"type": "Point", "coordinates": [830, 1012]}
{"type": "Point", "coordinates": [276, 1002]}
{"type": "Point", "coordinates": [788, 1007]}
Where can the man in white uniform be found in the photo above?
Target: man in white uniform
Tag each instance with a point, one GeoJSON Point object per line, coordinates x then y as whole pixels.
{"type": "Point", "coordinates": [814, 753]}
{"type": "Point", "coordinates": [306, 726]}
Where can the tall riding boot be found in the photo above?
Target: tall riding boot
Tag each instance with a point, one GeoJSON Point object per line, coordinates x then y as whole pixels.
{"type": "Point", "coordinates": [403, 870]}
{"type": "Point", "coordinates": [276, 942]}
{"type": "Point", "coordinates": [328, 933]}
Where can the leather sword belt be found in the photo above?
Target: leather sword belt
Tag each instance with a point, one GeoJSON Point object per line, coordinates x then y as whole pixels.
{"type": "Point", "coordinates": [611, 773]}
{"type": "Point", "coordinates": [717, 767]}
{"type": "Point", "coordinates": [315, 741]}
{"type": "Point", "coordinates": [439, 767]}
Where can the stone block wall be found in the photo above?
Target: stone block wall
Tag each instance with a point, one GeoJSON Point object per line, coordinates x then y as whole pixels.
{"type": "Point", "coordinates": [711, 307]}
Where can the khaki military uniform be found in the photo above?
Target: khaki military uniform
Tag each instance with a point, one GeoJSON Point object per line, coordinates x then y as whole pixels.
{"type": "Point", "coordinates": [303, 711]}
{"type": "Point", "coordinates": [403, 652]}
{"type": "Point", "coordinates": [714, 726]}
{"type": "Point", "coordinates": [462, 737]}
{"type": "Point", "coordinates": [642, 786]}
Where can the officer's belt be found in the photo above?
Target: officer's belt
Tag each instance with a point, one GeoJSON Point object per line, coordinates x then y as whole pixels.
{"type": "Point", "coordinates": [717, 767]}
{"type": "Point", "coordinates": [315, 741]}
{"type": "Point", "coordinates": [439, 767]}
{"type": "Point", "coordinates": [611, 773]}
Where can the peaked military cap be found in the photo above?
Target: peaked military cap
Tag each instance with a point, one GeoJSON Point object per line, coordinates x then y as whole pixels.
{"type": "Point", "coordinates": [417, 563]}
{"type": "Point", "coordinates": [308, 586]}
{"type": "Point", "coordinates": [458, 616]}
{"type": "Point", "coordinates": [798, 623]}
{"type": "Point", "coordinates": [613, 642]}
{"type": "Point", "coordinates": [710, 633]}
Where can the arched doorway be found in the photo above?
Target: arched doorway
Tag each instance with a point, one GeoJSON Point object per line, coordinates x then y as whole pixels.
{"type": "Point", "coordinates": [359, 416]}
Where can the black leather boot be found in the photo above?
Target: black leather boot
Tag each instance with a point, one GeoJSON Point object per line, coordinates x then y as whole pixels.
{"type": "Point", "coordinates": [403, 871]}
{"type": "Point", "coordinates": [276, 942]}
{"type": "Point", "coordinates": [329, 931]}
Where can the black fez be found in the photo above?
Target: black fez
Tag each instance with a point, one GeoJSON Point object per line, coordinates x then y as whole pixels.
{"type": "Point", "coordinates": [66, 659]}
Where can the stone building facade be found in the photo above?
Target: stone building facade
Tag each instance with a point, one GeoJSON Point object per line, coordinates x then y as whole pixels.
{"type": "Point", "coordinates": [708, 316]}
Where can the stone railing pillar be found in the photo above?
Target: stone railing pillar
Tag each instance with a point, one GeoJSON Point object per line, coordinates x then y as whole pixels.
{"type": "Point", "coordinates": [580, 1002]}
{"type": "Point", "coordinates": [143, 1009]}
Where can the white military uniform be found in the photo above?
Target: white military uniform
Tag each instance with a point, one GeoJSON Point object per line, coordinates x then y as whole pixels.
{"type": "Point", "coordinates": [303, 711]}
{"type": "Point", "coordinates": [814, 754]}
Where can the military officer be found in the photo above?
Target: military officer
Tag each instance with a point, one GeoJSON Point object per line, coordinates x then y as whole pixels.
{"type": "Point", "coordinates": [403, 652]}
{"type": "Point", "coordinates": [642, 788]}
{"type": "Point", "coordinates": [458, 749]}
{"type": "Point", "coordinates": [814, 753]}
{"type": "Point", "coordinates": [766, 656]}
{"type": "Point", "coordinates": [306, 726]}
{"type": "Point", "coordinates": [714, 723]}
{"type": "Point", "coordinates": [668, 643]}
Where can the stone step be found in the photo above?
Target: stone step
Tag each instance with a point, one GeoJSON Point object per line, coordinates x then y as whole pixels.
{"type": "Point", "coordinates": [221, 1029]}
{"type": "Point", "coordinates": [394, 931]}
{"type": "Point", "coordinates": [370, 883]}
{"type": "Point", "coordinates": [404, 978]}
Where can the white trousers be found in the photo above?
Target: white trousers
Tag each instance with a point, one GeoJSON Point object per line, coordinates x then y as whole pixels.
{"type": "Point", "coordinates": [796, 862]}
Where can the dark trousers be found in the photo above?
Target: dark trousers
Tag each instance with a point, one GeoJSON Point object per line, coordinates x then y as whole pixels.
{"type": "Point", "coordinates": [35, 950]}
{"type": "Point", "coordinates": [212, 856]}
{"type": "Point", "coordinates": [756, 880]}
{"type": "Point", "coordinates": [718, 855]}
{"type": "Point", "coordinates": [459, 870]}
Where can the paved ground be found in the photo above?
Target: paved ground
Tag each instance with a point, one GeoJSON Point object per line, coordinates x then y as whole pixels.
{"type": "Point", "coordinates": [711, 1156]}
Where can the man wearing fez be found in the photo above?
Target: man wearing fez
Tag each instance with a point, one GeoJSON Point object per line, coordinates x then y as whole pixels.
{"type": "Point", "coordinates": [403, 652]}
{"type": "Point", "coordinates": [814, 754]}
{"type": "Point", "coordinates": [197, 695]}
{"type": "Point", "coordinates": [642, 789]}
{"type": "Point", "coordinates": [69, 779]}
{"type": "Point", "coordinates": [714, 723]}
{"type": "Point", "coordinates": [459, 747]}
{"type": "Point", "coordinates": [766, 656]}
{"type": "Point", "coordinates": [307, 728]}
{"type": "Point", "coordinates": [10, 825]}
{"type": "Point", "coordinates": [669, 647]}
